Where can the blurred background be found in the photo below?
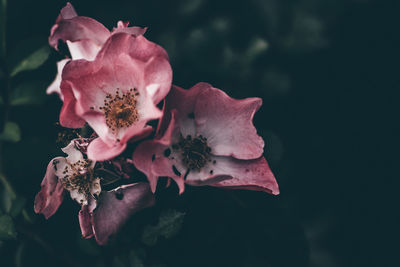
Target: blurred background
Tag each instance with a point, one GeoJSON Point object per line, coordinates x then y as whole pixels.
{"type": "Point", "coordinates": [328, 74]}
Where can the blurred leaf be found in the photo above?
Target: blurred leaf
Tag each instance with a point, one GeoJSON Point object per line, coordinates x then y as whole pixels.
{"type": "Point", "coordinates": [19, 255]}
{"type": "Point", "coordinates": [32, 61]}
{"type": "Point", "coordinates": [136, 258]}
{"type": "Point", "coordinates": [17, 206]}
{"type": "Point", "coordinates": [7, 229]}
{"type": "Point", "coordinates": [29, 93]}
{"type": "Point", "coordinates": [168, 226]}
{"type": "Point", "coordinates": [89, 246]}
{"type": "Point", "coordinates": [5, 200]}
{"type": "Point", "coordinates": [11, 132]}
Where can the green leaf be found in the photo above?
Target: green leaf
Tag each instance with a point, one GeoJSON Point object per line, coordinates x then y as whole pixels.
{"type": "Point", "coordinates": [11, 132]}
{"type": "Point", "coordinates": [7, 229]}
{"type": "Point", "coordinates": [29, 93]}
{"type": "Point", "coordinates": [32, 61]}
{"type": "Point", "coordinates": [5, 200]}
{"type": "Point", "coordinates": [17, 206]}
{"type": "Point", "coordinates": [168, 226]}
{"type": "Point", "coordinates": [19, 255]}
{"type": "Point", "coordinates": [136, 257]}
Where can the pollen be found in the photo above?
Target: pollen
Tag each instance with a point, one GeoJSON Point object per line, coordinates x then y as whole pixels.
{"type": "Point", "coordinates": [195, 151]}
{"type": "Point", "coordinates": [120, 109]}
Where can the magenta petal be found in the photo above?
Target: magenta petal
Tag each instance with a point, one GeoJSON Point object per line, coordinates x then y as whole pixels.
{"type": "Point", "coordinates": [85, 222]}
{"type": "Point", "coordinates": [247, 174]}
{"type": "Point", "coordinates": [51, 195]}
{"type": "Point", "coordinates": [116, 206]}
{"type": "Point", "coordinates": [227, 124]}
{"type": "Point", "coordinates": [100, 151]}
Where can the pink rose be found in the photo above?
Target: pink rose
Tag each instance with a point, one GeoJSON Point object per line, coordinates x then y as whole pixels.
{"type": "Point", "coordinates": [207, 138]}
{"type": "Point", "coordinates": [117, 93]}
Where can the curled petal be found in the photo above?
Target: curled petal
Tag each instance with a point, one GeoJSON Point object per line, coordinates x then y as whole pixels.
{"type": "Point", "coordinates": [51, 195]}
{"type": "Point", "coordinates": [100, 151]}
{"type": "Point", "coordinates": [54, 87]}
{"type": "Point", "coordinates": [70, 27]}
{"type": "Point", "coordinates": [116, 206]}
{"type": "Point", "coordinates": [228, 125]}
{"type": "Point", "coordinates": [85, 222]}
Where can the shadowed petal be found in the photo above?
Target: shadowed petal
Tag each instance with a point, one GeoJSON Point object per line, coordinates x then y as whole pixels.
{"type": "Point", "coordinates": [51, 195]}
{"type": "Point", "coordinates": [116, 206]}
{"type": "Point", "coordinates": [54, 87]}
{"type": "Point", "coordinates": [85, 222]}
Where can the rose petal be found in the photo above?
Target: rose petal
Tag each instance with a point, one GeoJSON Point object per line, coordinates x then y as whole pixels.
{"type": "Point", "coordinates": [85, 222]}
{"type": "Point", "coordinates": [246, 174]}
{"type": "Point", "coordinates": [54, 87]}
{"type": "Point", "coordinates": [68, 117]}
{"type": "Point", "coordinates": [123, 27]}
{"type": "Point", "coordinates": [100, 151]}
{"type": "Point", "coordinates": [116, 206]}
{"type": "Point", "coordinates": [51, 195]}
{"type": "Point", "coordinates": [149, 157]}
{"type": "Point", "coordinates": [227, 124]}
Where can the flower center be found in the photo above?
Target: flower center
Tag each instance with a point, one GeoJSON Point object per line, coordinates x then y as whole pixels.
{"type": "Point", "coordinates": [120, 109]}
{"type": "Point", "coordinates": [80, 177]}
{"type": "Point", "coordinates": [195, 151]}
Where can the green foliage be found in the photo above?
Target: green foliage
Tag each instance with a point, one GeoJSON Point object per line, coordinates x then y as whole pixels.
{"type": "Point", "coordinates": [31, 61]}
{"type": "Point", "coordinates": [29, 93]}
{"type": "Point", "coordinates": [168, 226]}
{"type": "Point", "coordinates": [11, 132]}
{"type": "Point", "coordinates": [7, 229]}
{"type": "Point", "coordinates": [19, 255]}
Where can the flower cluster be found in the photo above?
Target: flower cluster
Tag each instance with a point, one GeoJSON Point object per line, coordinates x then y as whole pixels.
{"type": "Point", "coordinates": [112, 83]}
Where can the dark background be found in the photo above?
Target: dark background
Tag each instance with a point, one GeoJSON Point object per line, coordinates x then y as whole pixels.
{"type": "Point", "coordinates": [328, 73]}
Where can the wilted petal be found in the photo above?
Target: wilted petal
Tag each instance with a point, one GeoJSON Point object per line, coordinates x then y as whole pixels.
{"type": "Point", "coordinates": [51, 195]}
{"type": "Point", "coordinates": [116, 206]}
{"type": "Point", "coordinates": [85, 222]}
{"type": "Point", "coordinates": [227, 124]}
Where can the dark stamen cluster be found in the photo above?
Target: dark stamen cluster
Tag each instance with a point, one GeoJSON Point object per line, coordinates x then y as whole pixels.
{"type": "Point", "coordinates": [78, 176]}
{"type": "Point", "coordinates": [120, 109]}
{"type": "Point", "coordinates": [195, 151]}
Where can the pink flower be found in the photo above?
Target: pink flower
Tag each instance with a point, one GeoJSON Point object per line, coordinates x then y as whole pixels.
{"type": "Point", "coordinates": [84, 37]}
{"type": "Point", "coordinates": [207, 138]}
{"type": "Point", "coordinates": [102, 213]}
{"type": "Point", "coordinates": [117, 93]}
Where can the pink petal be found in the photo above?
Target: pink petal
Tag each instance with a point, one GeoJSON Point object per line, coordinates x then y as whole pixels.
{"type": "Point", "coordinates": [100, 151]}
{"type": "Point", "coordinates": [70, 27]}
{"type": "Point", "coordinates": [54, 87]}
{"type": "Point", "coordinates": [51, 195]}
{"type": "Point", "coordinates": [116, 206]}
{"type": "Point", "coordinates": [85, 222]}
{"type": "Point", "coordinates": [68, 117]}
{"type": "Point", "coordinates": [149, 158]}
{"type": "Point", "coordinates": [184, 102]}
{"type": "Point", "coordinates": [246, 174]}
{"type": "Point", "coordinates": [227, 124]}
{"type": "Point", "coordinates": [83, 49]}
